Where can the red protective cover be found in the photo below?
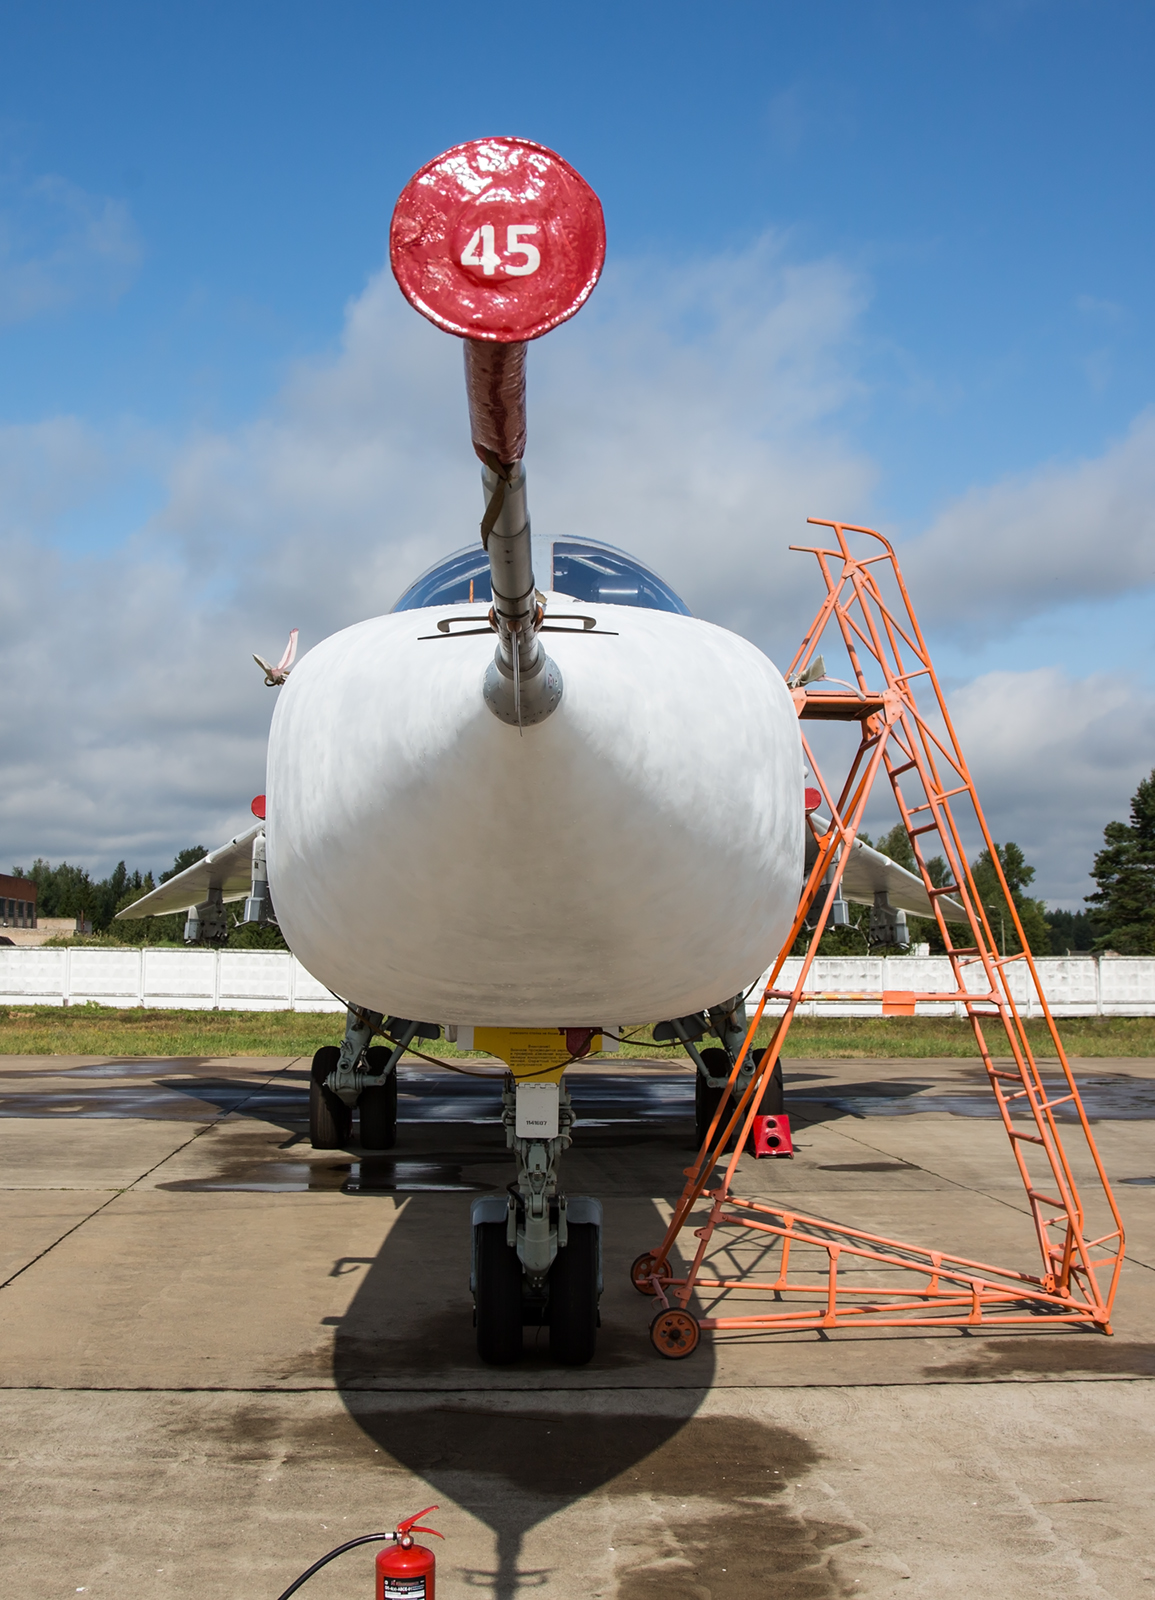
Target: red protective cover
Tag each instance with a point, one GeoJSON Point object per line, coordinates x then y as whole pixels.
{"type": "Point", "coordinates": [772, 1136]}
{"type": "Point", "coordinates": [495, 387]}
{"type": "Point", "coordinates": [529, 227]}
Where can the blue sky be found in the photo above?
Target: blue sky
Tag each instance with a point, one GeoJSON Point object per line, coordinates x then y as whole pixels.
{"type": "Point", "coordinates": [886, 261]}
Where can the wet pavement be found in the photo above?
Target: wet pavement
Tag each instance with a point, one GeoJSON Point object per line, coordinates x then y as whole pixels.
{"type": "Point", "coordinates": [222, 1352]}
{"type": "Point", "coordinates": [633, 1093]}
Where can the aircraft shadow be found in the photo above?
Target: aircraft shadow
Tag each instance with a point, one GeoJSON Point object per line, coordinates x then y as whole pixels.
{"type": "Point", "coordinates": [512, 1445]}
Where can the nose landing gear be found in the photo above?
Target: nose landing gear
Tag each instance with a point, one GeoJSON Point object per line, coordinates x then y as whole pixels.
{"type": "Point", "coordinates": [507, 1299]}
{"type": "Point", "coordinates": [537, 1256]}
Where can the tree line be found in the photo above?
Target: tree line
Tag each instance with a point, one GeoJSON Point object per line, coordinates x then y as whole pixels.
{"type": "Point", "coordinates": [1121, 915]}
{"type": "Point", "coordinates": [68, 891]}
{"type": "Point", "coordinates": [1120, 918]}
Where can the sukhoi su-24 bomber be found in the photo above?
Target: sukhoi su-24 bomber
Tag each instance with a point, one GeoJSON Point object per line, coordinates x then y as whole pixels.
{"type": "Point", "coordinates": [582, 806]}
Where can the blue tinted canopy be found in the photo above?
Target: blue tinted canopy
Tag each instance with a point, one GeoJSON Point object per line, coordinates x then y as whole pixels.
{"type": "Point", "coordinates": [581, 568]}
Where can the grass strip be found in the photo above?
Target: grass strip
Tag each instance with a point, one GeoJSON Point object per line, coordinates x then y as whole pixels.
{"type": "Point", "coordinates": [92, 1030]}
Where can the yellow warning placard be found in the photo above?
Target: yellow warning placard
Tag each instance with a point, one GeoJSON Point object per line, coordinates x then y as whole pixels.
{"type": "Point", "coordinates": [538, 1053]}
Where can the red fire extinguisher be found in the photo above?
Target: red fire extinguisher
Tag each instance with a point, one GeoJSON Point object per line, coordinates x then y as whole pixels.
{"type": "Point", "coordinates": [403, 1573]}
{"type": "Point", "coordinates": [406, 1571]}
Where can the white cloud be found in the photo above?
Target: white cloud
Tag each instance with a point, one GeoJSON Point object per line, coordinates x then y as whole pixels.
{"type": "Point", "coordinates": [1066, 532]}
{"type": "Point", "coordinates": [1054, 759]}
{"type": "Point", "coordinates": [48, 468]}
{"type": "Point", "coordinates": [59, 245]}
{"type": "Point", "coordinates": [1109, 312]}
{"type": "Point", "coordinates": [690, 414]}
{"type": "Point", "coordinates": [675, 421]}
{"type": "Point", "coordinates": [697, 424]}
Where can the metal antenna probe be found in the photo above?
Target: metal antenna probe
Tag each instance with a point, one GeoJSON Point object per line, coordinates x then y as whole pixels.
{"type": "Point", "coordinates": [498, 241]}
{"type": "Point", "coordinates": [515, 657]}
{"type": "Point", "coordinates": [523, 685]}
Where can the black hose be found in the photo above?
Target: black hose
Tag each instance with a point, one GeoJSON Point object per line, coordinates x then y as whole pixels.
{"type": "Point", "coordinates": [366, 1538]}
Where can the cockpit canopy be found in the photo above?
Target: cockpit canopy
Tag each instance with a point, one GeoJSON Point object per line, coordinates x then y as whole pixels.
{"type": "Point", "coordinates": [581, 568]}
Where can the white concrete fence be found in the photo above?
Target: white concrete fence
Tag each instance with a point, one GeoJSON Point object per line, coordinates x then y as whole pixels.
{"type": "Point", "coordinates": [273, 980]}
{"type": "Point", "coordinates": [1075, 986]}
{"type": "Point", "coordinates": [190, 980]}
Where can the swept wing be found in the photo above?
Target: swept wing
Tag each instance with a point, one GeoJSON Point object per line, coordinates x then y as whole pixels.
{"type": "Point", "coordinates": [229, 868]}
{"type": "Point", "coordinates": [869, 872]}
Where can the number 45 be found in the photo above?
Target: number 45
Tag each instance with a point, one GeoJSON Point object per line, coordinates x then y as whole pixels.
{"type": "Point", "coordinates": [481, 251]}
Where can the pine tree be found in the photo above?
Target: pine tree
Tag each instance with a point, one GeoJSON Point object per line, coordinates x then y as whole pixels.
{"type": "Point", "coordinates": [1031, 912]}
{"type": "Point", "coordinates": [1124, 871]}
{"type": "Point", "coordinates": [184, 858]}
{"type": "Point", "coordinates": [1070, 931]}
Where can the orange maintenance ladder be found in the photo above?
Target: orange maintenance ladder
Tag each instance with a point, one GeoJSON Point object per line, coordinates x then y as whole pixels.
{"type": "Point", "coordinates": [830, 1274]}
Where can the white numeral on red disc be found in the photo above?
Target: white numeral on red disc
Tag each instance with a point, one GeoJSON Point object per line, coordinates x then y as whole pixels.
{"type": "Point", "coordinates": [514, 246]}
{"type": "Point", "coordinates": [481, 250]}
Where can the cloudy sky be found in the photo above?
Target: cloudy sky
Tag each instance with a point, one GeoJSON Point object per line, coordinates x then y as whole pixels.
{"type": "Point", "coordinates": [888, 262]}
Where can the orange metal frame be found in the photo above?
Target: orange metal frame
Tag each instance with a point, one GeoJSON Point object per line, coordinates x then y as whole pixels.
{"type": "Point", "coordinates": [849, 1277]}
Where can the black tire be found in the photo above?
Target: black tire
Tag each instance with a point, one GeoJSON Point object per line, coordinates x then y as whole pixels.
{"type": "Point", "coordinates": [774, 1092]}
{"type": "Point", "coordinates": [324, 1061]}
{"type": "Point", "coordinates": [573, 1297]}
{"type": "Point", "coordinates": [377, 1106]}
{"type": "Point", "coordinates": [705, 1098]}
{"type": "Point", "coordinates": [330, 1119]}
{"type": "Point", "coordinates": [773, 1102]}
{"type": "Point", "coordinates": [498, 1296]}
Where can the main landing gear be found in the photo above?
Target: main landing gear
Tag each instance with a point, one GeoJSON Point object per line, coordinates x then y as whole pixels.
{"type": "Point", "coordinates": [536, 1253]}
{"type": "Point", "coordinates": [362, 1078]}
{"type": "Point", "coordinates": [727, 1022]}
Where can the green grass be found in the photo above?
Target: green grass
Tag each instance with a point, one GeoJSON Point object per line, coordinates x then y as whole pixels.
{"type": "Point", "coordinates": [875, 1037]}
{"type": "Point", "coordinates": [92, 1030]}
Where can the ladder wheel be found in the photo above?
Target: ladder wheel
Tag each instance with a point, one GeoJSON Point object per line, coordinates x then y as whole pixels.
{"type": "Point", "coordinates": [643, 1270]}
{"type": "Point", "coordinates": [330, 1119]}
{"type": "Point", "coordinates": [675, 1334]}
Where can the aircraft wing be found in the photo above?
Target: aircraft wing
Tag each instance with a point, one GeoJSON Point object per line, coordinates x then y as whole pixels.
{"type": "Point", "coordinates": [868, 872]}
{"type": "Point", "coordinates": [230, 869]}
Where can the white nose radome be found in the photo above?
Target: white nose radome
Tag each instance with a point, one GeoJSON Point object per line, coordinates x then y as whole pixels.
{"type": "Point", "coordinates": [653, 824]}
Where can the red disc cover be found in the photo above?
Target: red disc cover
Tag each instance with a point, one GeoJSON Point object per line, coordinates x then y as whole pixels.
{"type": "Point", "coordinates": [498, 239]}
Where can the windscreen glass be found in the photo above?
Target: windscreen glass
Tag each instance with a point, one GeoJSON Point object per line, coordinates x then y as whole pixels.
{"type": "Point", "coordinates": [594, 572]}
{"type": "Point", "coordinates": [456, 581]}
{"type": "Point", "coordinates": [582, 568]}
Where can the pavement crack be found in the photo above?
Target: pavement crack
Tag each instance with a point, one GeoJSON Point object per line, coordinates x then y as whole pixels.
{"type": "Point", "coordinates": [141, 1176]}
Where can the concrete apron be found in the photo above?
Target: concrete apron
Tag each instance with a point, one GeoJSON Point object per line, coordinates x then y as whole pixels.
{"type": "Point", "coordinates": [223, 1353]}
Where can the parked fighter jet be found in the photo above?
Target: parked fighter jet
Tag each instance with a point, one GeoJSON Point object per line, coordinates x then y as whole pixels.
{"type": "Point", "coordinates": [536, 801]}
